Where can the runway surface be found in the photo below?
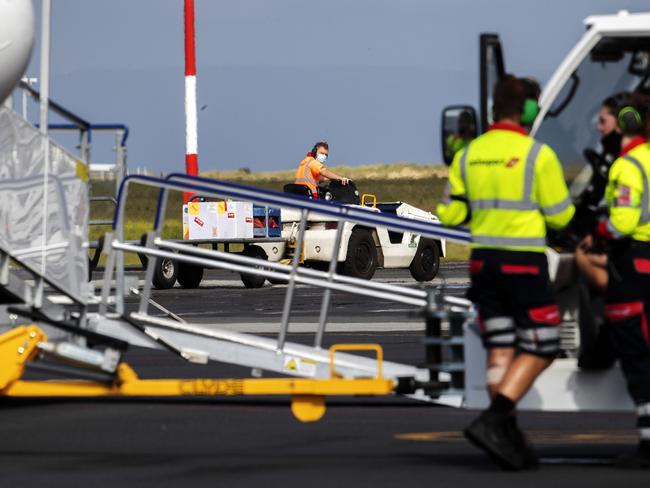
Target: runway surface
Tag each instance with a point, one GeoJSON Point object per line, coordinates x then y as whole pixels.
{"type": "Point", "coordinates": [241, 442]}
{"type": "Point", "coordinates": [223, 299]}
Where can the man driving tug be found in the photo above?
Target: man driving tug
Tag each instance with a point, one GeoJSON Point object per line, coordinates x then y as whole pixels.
{"type": "Point", "coordinates": [312, 168]}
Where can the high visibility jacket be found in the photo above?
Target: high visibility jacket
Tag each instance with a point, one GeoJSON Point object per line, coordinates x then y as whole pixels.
{"type": "Point", "coordinates": [455, 143]}
{"type": "Point", "coordinates": [627, 193]}
{"type": "Point", "coordinates": [308, 173]}
{"type": "Point", "coordinates": [509, 187]}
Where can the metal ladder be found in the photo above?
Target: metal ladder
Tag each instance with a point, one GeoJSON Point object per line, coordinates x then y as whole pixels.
{"type": "Point", "coordinates": [278, 355]}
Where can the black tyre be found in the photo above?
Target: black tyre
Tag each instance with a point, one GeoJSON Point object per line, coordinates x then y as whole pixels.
{"type": "Point", "coordinates": [361, 259]}
{"type": "Point", "coordinates": [143, 258]}
{"type": "Point", "coordinates": [252, 280]}
{"type": "Point", "coordinates": [426, 261]}
{"type": "Point", "coordinates": [165, 273]}
{"type": "Point", "coordinates": [189, 275]}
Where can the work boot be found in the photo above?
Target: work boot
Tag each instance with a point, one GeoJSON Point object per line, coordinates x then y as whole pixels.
{"type": "Point", "coordinates": [639, 459]}
{"type": "Point", "coordinates": [531, 461]}
{"type": "Point", "coordinates": [491, 433]}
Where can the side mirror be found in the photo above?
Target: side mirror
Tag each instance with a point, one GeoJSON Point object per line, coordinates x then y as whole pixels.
{"type": "Point", "coordinates": [457, 128]}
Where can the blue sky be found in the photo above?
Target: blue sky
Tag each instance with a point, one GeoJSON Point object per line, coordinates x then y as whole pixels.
{"type": "Point", "coordinates": [274, 76]}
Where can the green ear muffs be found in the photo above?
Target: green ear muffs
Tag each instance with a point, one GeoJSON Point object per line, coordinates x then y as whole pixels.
{"type": "Point", "coordinates": [629, 120]}
{"type": "Point", "coordinates": [529, 112]}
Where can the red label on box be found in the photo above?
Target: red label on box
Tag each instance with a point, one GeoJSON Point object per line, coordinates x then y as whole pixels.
{"type": "Point", "coordinates": [198, 221]}
{"type": "Point", "coordinates": [249, 220]}
{"type": "Point", "coordinates": [231, 215]}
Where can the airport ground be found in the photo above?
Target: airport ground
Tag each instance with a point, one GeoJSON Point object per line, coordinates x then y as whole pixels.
{"type": "Point", "coordinates": [242, 442]}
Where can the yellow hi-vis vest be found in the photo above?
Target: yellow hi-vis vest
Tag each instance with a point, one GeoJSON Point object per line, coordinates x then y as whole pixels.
{"type": "Point", "coordinates": [514, 187]}
{"type": "Point", "coordinates": [628, 195]}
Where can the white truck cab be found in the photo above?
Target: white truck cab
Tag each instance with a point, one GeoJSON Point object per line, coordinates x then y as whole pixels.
{"type": "Point", "coordinates": [612, 56]}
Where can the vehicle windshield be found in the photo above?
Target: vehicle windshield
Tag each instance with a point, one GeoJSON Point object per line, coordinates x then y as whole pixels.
{"type": "Point", "coordinates": [613, 66]}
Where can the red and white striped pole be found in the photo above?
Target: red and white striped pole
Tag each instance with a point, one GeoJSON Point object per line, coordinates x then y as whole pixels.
{"type": "Point", "coordinates": [191, 134]}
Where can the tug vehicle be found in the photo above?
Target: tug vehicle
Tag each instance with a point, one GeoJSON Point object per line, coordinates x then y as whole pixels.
{"type": "Point", "coordinates": [362, 250]}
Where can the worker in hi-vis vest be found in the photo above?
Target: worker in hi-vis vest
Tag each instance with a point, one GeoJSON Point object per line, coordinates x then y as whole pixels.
{"type": "Point", "coordinates": [312, 169]}
{"type": "Point", "coordinates": [627, 299]}
{"type": "Point", "coordinates": [508, 188]}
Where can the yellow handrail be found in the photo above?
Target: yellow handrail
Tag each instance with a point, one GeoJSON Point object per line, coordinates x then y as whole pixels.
{"type": "Point", "coordinates": [369, 195]}
{"type": "Point", "coordinates": [379, 351]}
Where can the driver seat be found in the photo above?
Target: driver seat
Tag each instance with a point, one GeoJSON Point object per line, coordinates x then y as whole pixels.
{"type": "Point", "coordinates": [295, 189]}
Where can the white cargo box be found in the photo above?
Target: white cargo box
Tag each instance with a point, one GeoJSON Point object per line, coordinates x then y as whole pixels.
{"type": "Point", "coordinates": [217, 220]}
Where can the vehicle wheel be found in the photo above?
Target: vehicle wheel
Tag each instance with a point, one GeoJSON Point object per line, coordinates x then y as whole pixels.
{"type": "Point", "coordinates": [189, 275]}
{"type": "Point", "coordinates": [361, 260]}
{"type": "Point", "coordinates": [165, 273]}
{"type": "Point", "coordinates": [426, 261]}
{"type": "Point", "coordinates": [252, 280]}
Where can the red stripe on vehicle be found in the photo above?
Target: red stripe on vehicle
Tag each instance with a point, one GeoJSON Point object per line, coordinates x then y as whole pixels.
{"type": "Point", "coordinates": [622, 311]}
{"type": "Point", "coordinates": [642, 265]}
{"type": "Point", "coordinates": [475, 266]}
{"type": "Point", "coordinates": [519, 269]}
{"type": "Point", "coordinates": [548, 315]}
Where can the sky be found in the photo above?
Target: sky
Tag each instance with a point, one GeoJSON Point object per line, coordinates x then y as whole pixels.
{"type": "Point", "coordinates": [274, 76]}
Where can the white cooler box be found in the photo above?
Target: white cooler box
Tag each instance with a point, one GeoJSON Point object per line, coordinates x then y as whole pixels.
{"type": "Point", "coordinates": [217, 220]}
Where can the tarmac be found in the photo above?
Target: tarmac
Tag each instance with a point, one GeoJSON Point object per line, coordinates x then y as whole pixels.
{"type": "Point", "coordinates": [242, 442]}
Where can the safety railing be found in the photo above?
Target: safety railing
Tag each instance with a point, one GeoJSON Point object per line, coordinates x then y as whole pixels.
{"type": "Point", "coordinates": [157, 247]}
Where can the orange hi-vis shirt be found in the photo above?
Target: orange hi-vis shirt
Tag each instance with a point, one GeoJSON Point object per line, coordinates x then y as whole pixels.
{"type": "Point", "coordinates": [309, 172]}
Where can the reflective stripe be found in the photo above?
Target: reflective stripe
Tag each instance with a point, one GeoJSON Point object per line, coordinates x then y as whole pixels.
{"type": "Point", "coordinates": [645, 210]}
{"type": "Point", "coordinates": [509, 241]}
{"type": "Point", "coordinates": [642, 410]}
{"type": "Point", "coordinates": [307, 176]}
{"type": "Point", "coordinates": [613, 230]}
{"type": "Point", "coordinates": [539, 334]}
{"type": "Point", "coordinates": [463, 168]}
{"type": "Point", "coordinates": [498, 323]}
{"type": "Point", "coordinates": [557, 208]}
{"type": "Point", "coordinates": [501, 204]}
{"type": "Point", "coordinates": [529, 174]}
{"type": "Point", "coordinates": [526, 202]}
{"type": "Point", "coordinates": [644, 434]}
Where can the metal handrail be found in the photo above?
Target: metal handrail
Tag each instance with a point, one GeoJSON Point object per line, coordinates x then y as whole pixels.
{"type": "Point", "coordinates": [244, 264]}
{"type": "Point", "coordinates": [313, 273]}
{"type": "Point", "coordinates": [217, 188]}
{"type": "Point", "coordinates": [90, 127]}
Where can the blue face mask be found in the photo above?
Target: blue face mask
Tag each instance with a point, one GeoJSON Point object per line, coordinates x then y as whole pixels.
{"type": "Point", "coordinates": [321, 157]}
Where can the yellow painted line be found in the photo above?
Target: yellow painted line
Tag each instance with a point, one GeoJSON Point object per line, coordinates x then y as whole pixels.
{"type": "Point", "coordinates": [536, 436]}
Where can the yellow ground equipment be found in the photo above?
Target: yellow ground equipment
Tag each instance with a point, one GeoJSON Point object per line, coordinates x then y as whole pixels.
{"type": "Point", "coordinates": [26, 345]}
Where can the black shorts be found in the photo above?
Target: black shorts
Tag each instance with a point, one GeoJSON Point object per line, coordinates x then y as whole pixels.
{"type": "Point", "coordinates": [516, 306]}
{"type": "Point", "coordinates": [627, 308]}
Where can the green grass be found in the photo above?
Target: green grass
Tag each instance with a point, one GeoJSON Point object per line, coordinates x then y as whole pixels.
{"type": "Point", "coordinates": [422, 188]}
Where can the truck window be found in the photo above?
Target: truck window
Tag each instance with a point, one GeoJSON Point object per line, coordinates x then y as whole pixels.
{"type": "Point", "coordinates": [574, 127]}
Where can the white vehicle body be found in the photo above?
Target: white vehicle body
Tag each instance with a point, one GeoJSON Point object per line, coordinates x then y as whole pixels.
{"type": "Point", "coordinates": [564, 386]}
{"type": "Point", "coordinates": [319, 240]}
{"type": "Point", "coordinates": [16, 42]}
{"type": "Point", "coordinates": [394, 250]}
